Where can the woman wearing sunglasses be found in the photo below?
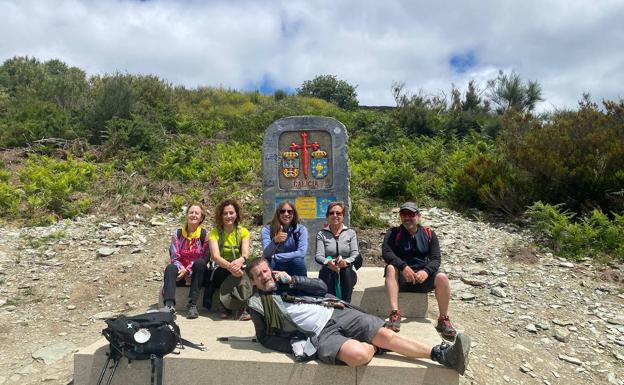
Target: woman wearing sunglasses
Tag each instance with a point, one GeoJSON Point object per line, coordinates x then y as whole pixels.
{"type": "Point", "coordinates": [285, 241]}
{"type": "Point", "coordinates": [337, 250]}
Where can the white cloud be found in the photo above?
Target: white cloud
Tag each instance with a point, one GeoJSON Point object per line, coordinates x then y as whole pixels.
{"type": "Point", "coordinates": [569, 47]}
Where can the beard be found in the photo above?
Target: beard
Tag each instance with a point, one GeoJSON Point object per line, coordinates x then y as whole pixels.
{"type": "Point", "coordinates": [269, 286]}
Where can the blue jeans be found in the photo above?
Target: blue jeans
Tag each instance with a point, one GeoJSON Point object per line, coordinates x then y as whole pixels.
{"type": "Point", "coordinates": [295, 266]}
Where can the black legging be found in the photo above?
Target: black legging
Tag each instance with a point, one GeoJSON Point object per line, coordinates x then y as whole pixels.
{"type": "Point", "coordinates": [217, 276]}
{"type": "Point", "coordinates": [348, 279]}
{"type": "Point", "coordinates": [198, 278]}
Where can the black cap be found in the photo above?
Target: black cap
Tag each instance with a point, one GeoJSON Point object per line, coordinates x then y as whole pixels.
{"type": "Point", "coordinates": [409, 206]}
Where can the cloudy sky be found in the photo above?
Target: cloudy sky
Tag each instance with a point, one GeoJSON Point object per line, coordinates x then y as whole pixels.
{"type": "Point", "coordinates": [568, 46]}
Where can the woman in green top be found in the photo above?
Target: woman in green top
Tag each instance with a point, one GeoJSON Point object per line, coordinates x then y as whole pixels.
{"type": "Point", "coordinates": [229, 246]}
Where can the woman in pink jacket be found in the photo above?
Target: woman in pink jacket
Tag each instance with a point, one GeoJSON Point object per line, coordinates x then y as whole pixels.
{"type": "Point", "coordinates": [189, 255]}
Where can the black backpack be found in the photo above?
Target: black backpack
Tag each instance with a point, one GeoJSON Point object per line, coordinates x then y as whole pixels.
{"type": "Point", "coordinates": [148, 336]}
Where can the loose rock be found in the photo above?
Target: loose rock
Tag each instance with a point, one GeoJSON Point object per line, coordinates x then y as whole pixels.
{"type": "Point", "coordinates": [53, 353]}
{"type": "Point", "coordinates": [498, 292]}
{"type": "Point", "coordinates": [561, 334]}
{"type": "Point", "coordinates": [572, 360]}
{"type": "Point", "coordinates": [105, 251]}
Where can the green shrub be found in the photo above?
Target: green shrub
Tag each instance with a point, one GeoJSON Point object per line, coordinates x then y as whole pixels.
{"type": "Point", "coordinates": [364, 216]}
{"type": "Point", "coordinates": [176, 202]}
{"type": "Point", "coordinates": [398, 170]}
{"type": "Point", "coordinates": [594, 235]}
{"type": "Point", "coordinates": [136, 135]}
{"type": "Point", "coordinates": [488, 182]}
{"type": "Point", "coordinates": [236, 162]}
{"type": "Point", "coordinates": [576, 158]}
{"type": "Point", "coordinates": [217, 163]}
{"type": "Point", "coordinates": [51, 184]}
{"type": "Point", "coordinates": [279, 95]}
{"type": "Point", "coordinates": [9, 198]}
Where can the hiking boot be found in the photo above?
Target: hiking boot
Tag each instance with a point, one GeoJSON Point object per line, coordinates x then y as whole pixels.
{"type": "Point", "coordinates": [192, 311]}
{"type": "Point", "coordinates": [445, 327]}
{"type": "Point", "coordinates": [394, 321]}
{"type": "Point", "coordinates": [453, 356]}
{"type": "Point", "coordinates": [244, 316]}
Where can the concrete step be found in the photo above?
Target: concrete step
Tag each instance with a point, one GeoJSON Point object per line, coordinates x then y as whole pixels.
{"type": "Point", "coordinates": [368, 294]}
{"type": "Point", "coordinates": [244, 362]}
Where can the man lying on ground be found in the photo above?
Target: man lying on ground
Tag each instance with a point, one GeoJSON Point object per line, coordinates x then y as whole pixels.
{"type": "Point", "coordinates": [315, 326]}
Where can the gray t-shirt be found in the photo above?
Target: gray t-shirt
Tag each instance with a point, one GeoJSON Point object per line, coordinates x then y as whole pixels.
{"type": "Point", "coordinates": [308, 316]}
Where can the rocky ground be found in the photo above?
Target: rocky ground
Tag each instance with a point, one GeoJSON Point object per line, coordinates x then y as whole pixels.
{"type": "Point", "coordinates": [533, 318]}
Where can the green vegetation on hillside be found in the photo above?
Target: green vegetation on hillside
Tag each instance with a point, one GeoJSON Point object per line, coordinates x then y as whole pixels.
{"type": "Point", "coordinates": [112, 143]}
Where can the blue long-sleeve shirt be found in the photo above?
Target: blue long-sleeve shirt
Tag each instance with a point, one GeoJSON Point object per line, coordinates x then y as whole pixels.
{"type": "Point", "coordinates": [287, 250]}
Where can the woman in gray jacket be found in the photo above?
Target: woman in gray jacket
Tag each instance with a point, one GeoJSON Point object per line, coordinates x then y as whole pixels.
{"type": "Point", "coordinates": [337, 250]}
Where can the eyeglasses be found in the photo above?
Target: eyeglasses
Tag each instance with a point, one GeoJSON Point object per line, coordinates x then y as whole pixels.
{"type": "Point", "coordinates": [283, 211]}
{"type": "Point", "coordinates": [336, 213]}
{"type": "Point", "coordinates": [407, 214]}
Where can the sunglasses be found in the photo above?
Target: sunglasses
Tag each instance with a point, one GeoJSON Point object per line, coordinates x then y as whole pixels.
{"type": "Point", "coordinates": [284, 211]}
{"type": "Point", "coordinates": [336, 213]}
{"type": "Point", "coordinates": [407, 214]}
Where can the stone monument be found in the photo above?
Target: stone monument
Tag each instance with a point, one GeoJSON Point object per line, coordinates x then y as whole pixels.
{"type": "Point", "coordinates": [305, 161]}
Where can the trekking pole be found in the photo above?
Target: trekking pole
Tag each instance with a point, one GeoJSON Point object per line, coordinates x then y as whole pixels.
{"type": "Point", "coordinates": [338, 286]}
{"type": "Point", "coordinates": [237, 339]}
{"type": "Point", "coordinates": [99, 381]}
{"type": "Point", "coordinates": [110, 378]}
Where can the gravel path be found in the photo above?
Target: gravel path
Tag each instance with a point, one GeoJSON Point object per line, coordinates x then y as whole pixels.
{"type": "Point", "coordinates": [533, 318]}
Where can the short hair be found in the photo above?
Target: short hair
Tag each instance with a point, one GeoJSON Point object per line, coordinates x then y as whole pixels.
{"type": "Point", "coordinates": [201, 209]}
{"type": "Point", "coordinates": [331, 205]}
{"type": "Point", "coordinates": [275, 222]}
{"type": "Point", "coordinates": [218, 214]}
{"type": "Point", "coordinates": [254, 263]}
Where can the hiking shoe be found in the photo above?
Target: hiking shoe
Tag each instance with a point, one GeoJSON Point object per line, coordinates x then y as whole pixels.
{"type": "Point", "coordinates": [244, 316]}
{"type": "Point", "coordinates": [394, 321]}
{"type": "Point", "coordinates": [192, 311]}
{"type": "Point", "coordinates": [453, 356]}
{"type": "Point", "coordinates": [445, 327]}
{"type": "Point", "coordinates": [225, 314]}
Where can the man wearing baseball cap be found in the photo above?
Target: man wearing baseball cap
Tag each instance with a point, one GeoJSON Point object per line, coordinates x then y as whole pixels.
{"type": "Point", "coordinates": [412, 255]}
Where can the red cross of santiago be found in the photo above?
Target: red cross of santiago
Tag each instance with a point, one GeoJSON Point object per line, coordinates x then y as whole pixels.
{"type": "Point", "coordinates": [305, 155]}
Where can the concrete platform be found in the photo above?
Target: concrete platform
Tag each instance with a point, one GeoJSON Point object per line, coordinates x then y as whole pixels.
{"type": "Point", "coordinates": [368, 294]}
{"type": "Point", "coordinates": [244, 362]}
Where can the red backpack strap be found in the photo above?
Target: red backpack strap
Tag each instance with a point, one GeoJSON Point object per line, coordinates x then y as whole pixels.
{"type": "Point", "coordinates": [428, 232]}
{"type": "Point", "coordinates": [426, 229]}
{"type": "Point", "coordinates": [397, 236]}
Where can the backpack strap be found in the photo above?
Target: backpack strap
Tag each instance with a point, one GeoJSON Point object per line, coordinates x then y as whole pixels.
{"type": "Point", "coordinates": [202, 236]}
{"type": "Point", "coordinates": [397, 236]}
{"type": "Point", "coordinates": [157, 370]}
{"type": "Point", "coordinates": [426, 229]}
{"type": "Point", "coordinates": [296, 234]}
{"type": "Point", "coordinates": [238, 242]}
